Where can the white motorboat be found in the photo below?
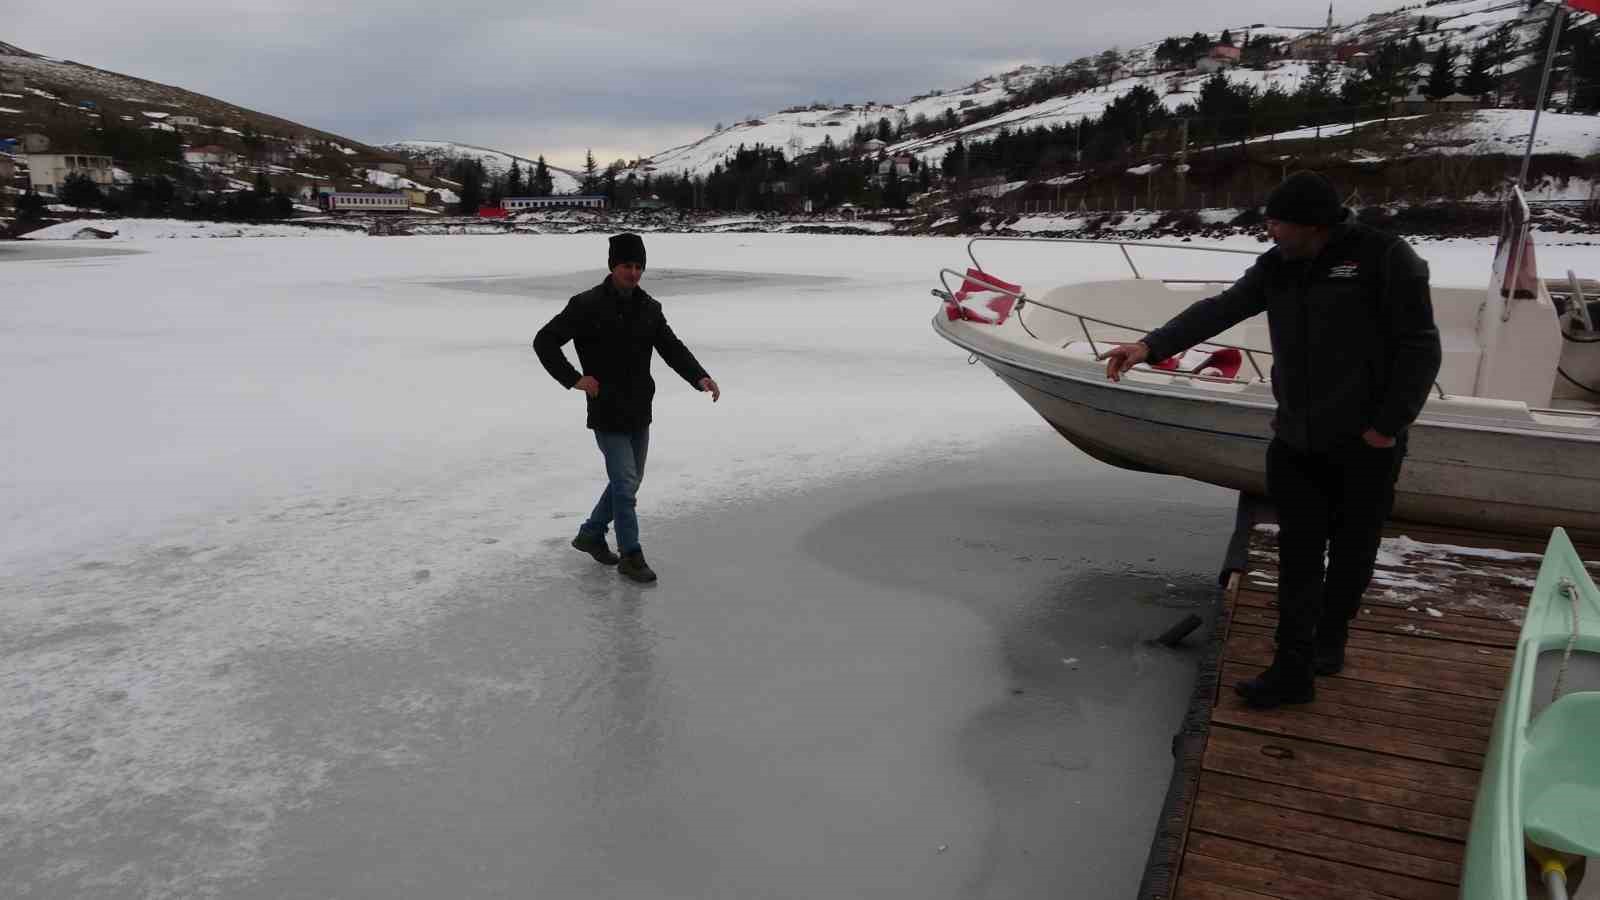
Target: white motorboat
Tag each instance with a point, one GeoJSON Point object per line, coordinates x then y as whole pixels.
{"type": "Point", "coordinates": [1508, 438]}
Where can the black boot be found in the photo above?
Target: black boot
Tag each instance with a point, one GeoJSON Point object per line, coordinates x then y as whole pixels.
{"type": "Point", "coordinates": [595, 547]}
{"type": "Point", "coordinates": [1276, 687]}
{"type": "Point", "coordinates": [633, 566]}
{"type": "Point", "coordinates": [1329, 659]}
{"type": "Point", "coordinates": [1331, 638]}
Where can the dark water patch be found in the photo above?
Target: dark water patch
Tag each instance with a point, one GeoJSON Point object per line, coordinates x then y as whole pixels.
{"type": "Point", "coordinates": [666, 282]}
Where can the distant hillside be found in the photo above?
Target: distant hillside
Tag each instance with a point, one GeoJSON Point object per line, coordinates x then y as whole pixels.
{"type": "Point", "coordinates": [1466, 24]}
{"type": "Point", "coordinates": [63, 99]}
{"type": "Point", "coordinates": [496, 162]}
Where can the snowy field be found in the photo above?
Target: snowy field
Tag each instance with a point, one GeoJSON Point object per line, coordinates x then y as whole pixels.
{"type": "Point", "coordinates": [244, 479]}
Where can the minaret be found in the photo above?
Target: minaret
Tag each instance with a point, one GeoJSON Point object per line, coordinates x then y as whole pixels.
{"type": "Point", "coordinates": [1330, 15]}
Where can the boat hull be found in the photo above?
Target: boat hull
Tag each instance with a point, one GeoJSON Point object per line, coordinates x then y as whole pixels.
{"type": "Point", "coordinates": [1459, 475]}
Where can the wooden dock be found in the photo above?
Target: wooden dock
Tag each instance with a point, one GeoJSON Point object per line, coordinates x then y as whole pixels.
{"type": "Point", "coordinates": [1368, 791]}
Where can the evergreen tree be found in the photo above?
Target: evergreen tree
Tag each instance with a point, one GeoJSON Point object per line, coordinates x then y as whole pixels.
{"type": "Point", "coordinates": [1226, 40]}
{"type": "Point", "coordinates": [514, 180]}
{"type": "Point", "coordinates": [1442, 79]}
{"type": "Point", "coordinates": [1479, 79]}
{"type": "Point", "coordinates": [894, 194]}
{"type": "Point", "coordinates": [79, 190]}
{"type": "Point", "coordinates": [30, 208]}
{"type": "Point", "coordinates": [471, 178]}
{"type": "Point", "coordinates": [541, 185]}
{"type": "Point", "coordinates": [885, 133]}
{"type": "Point", "coordinates": [591, 174]}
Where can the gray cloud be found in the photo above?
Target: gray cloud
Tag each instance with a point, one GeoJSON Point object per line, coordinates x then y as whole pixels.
{"type": "Point", "coordinates": [625, 78]}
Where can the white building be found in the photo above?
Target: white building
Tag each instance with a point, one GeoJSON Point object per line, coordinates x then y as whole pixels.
{"type": "Point", "coordinates": [209, 155]}
{"type": "Point", "coordinates": [47, 172]}
{"type": "Point", "coordinates": [581, 201]}
{"type": "Point", "coordinates": [184, 121]}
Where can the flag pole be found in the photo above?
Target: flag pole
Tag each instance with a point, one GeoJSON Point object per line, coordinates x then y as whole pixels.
{"type": "Point", "coordinates": [1558, 18]}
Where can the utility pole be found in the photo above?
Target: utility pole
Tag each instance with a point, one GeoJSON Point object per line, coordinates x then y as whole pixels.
{"type": "Point", "coordinates": [1183, 159]}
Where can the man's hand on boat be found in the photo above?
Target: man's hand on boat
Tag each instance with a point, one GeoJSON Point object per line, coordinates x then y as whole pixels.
{"type": "Point", "coordinates": [1376, 440]}
{"type": "Point", "coordinates": [1123, 357]}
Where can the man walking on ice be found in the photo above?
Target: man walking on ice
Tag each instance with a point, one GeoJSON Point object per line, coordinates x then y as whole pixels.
{"type": "Point", "coordinates": [1354, 354]}
{"type": "Point", "coordinates": [616, 326]}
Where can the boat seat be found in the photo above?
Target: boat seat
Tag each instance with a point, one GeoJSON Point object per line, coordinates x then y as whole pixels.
{"type": "Point", "coordinates": [1561, 783]}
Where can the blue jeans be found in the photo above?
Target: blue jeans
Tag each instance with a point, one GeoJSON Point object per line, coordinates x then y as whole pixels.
{"type": "Point", "coordinates": [624, 452]}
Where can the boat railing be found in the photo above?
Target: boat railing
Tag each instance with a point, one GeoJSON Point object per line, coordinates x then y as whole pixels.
{"type": "Point", "coordinates": [1250, 353]}
{"type": "Point", "coordinates": [1121, 245]}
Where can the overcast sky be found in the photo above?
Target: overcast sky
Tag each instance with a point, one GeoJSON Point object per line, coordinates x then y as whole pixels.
{"type": "Point", "coordinates": [625, 78]}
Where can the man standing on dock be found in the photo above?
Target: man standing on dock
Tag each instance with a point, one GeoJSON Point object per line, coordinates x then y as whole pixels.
{"type": "Point", "coordinates": [617, 326]}
{"type": "Point", "coordinates": [1355, 352]}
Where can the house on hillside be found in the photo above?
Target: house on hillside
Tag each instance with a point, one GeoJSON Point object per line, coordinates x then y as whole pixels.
{"type": "Point", "coordinates": [1218, 58]}
{"type": "Point", "coordinates": [1415, 103]}
{"type": "Point", "coordinates": [422, 170]}
{"type": "Point", "coordinates": [393, 168]}
{"type": "Point", "coordinates": [33, 142]}
{"type": "Point", "coordinates": [12, 81]}
{"type": "Point", "coordinates": [184, 121]}
{"type": "Point", "coordinates": [47, 172]}
{"type": "Point", "coordinates": [899, 165]}
{"type": "Point", "coordinates": [210, 155]}
{"type": "Point", "coordinates": [416, 196]}
{"type": "Point", "coordinates": [872, 146]}
{"type": "Point", "coordinates": [1313, 46]}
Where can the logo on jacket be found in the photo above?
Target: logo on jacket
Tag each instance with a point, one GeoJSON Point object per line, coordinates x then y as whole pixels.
{"type": "Point", "coordinates": [1345, 270]}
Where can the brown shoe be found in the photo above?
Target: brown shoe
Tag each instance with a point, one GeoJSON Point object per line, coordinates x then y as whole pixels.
{"type": "Point", "coordinates": [634, 567]}
{"type": "Point", "coordinates": [597, 548]}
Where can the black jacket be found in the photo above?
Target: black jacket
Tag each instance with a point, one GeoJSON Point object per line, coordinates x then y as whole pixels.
{"type": "Point", "coordinates": [1353, 340]}
{"type": "Point", "coordinates": [615, 337]}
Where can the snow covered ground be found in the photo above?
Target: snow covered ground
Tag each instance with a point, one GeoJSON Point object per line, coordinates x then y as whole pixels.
{"type": "Point", "coordinates": [243, 479]}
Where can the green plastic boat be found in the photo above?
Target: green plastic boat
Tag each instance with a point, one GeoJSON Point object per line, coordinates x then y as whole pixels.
{"type": "Point", "coordinates": [1539, 797]}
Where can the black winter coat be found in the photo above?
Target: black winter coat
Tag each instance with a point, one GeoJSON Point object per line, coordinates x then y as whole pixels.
{"type": "Point", "coordinates": [615, 336]}
{"type": "Point", "coordinates": [1353, 340]}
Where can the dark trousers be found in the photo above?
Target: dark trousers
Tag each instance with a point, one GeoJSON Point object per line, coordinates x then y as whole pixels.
{"type": "Point", "coordinates": [1332, 503]}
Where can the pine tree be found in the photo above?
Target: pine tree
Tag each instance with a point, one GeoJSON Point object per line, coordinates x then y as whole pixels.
{"type": "Point", "coordinates": [542, 185]}
{"type": "Point", "coordinates": [514, 180]}
{"type": "Point", "coordinates": [471, 188]}
{"type": "Point", "coordinates": [1479, 79]}
{"type": "Point", "coordinates": [79, 190]}
{"type": "Point", "coordinates": [1442, 78]}
{"type": "Point", "coordinates": [591, 174]}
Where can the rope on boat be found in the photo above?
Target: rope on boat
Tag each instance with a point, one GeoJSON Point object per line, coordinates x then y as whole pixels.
{"type": "Point", "coordinates": [1568, 587]}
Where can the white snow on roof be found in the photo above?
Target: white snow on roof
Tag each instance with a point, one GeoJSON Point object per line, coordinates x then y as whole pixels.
{"type": "Point", "coordinates": [4, 109]}
{"type": "Point", "coordinates": [155, 115]}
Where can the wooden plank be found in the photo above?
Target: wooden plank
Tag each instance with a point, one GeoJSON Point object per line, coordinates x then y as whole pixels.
{"type": "Point", "coordinates": [1393, 616]}
{"type": "Point", "coordinates": [1196, 889]}
{"type": "Point", "coordinates": [1337, 840]}
{"type": "Point", "coordinates": [1309, 799]}
{"type": "Point", "coordinates": [1487, 594]}
{"type": "Point", "coordinates": [1442, 815]}
{"type": "Point", "coordinates": [1377, 622]}
{"type": "Point", "coordinates": [1386, 644]}
{"type": "Point", "coordinates": [1379, 703]}
{"type": "Point", "coordinates": [1286, 756]}
{"type": "Point", "coordinates": [1436, 675]}
{"type": "Point", "coordinates": [1345, 733]}
{"type": "Point", "coordinates": [1292, 876]}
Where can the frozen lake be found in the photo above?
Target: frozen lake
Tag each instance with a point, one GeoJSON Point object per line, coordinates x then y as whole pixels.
{"type": "Point", "coordinates": [286, 608]}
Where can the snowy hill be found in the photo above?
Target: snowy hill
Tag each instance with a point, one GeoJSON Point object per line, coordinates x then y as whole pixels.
{"type": "Point", "coordinates": [60, 91]}
{"type": "Point", "coordinates": [1465, 24]}
{"type": "Point", "coordinates": [496, 162]}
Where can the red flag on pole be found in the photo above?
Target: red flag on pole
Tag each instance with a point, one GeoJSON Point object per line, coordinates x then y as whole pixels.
{"type": "Point", "coordinates": [1591, 6]}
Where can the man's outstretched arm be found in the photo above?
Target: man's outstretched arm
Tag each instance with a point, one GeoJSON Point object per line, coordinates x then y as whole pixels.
{"type": "Point", "coordinates": [1202, 321]}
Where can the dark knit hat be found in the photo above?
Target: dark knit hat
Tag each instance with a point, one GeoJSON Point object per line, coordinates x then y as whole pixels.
{"type": "Point", "coordinates": [1305, 198]}
{"type": "Point", "coordinates": [625, 248]}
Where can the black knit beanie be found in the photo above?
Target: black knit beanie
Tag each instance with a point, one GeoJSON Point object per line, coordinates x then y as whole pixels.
{"type": "Point", "coordinates": [625, 248]}
{"type": "Point", "coordinates": [1305, 198]}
